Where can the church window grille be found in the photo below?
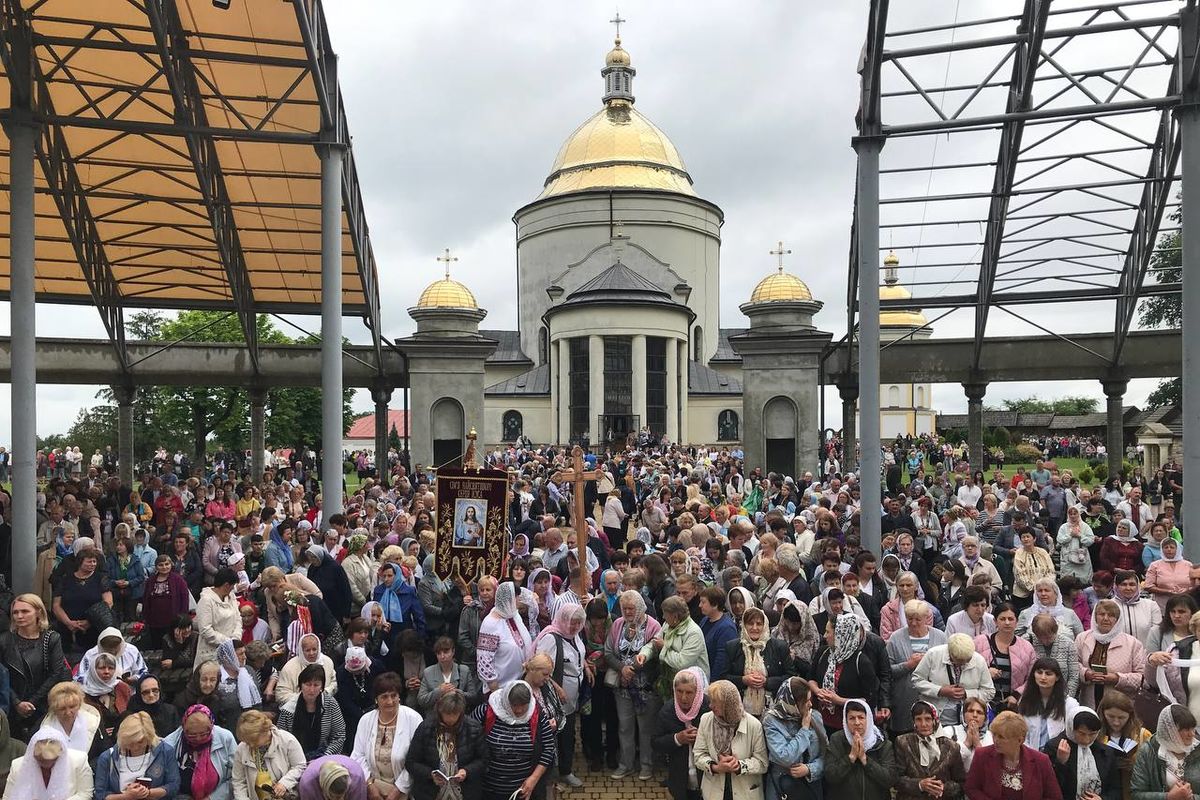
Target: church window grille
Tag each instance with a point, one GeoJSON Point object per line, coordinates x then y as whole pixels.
{"type": "Point", "coordinates": [656, 384]}
{"type": "Point", "coordinates": [727, 426]}
{"type": "Point", "coordinates": [580, 382]}
{"type": "Point", "coordinates": [513, 425]}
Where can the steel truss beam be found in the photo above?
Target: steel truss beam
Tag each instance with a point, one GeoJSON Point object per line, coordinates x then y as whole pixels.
{"type": "Point", "coordinates": [322, 64]}
{"type": "Point", "coordinates": [180, 72]}
{"type": "Point", "coordinates": [1156, 193]}
{"type": "Point", "coordinates": [1026, 57]}
{"type": "Point", "coordinates": [57, 166]}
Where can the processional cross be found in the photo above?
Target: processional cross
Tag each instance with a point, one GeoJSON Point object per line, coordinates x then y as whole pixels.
{"type": "Point", "coordinates": [578, 477]}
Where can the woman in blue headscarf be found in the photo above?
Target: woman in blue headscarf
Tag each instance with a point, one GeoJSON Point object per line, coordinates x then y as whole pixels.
{"type": "Point", "coordinates": [401, 606]}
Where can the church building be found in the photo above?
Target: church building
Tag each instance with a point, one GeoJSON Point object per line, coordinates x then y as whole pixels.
{"type": "Point", "coordinates": [618, 321]}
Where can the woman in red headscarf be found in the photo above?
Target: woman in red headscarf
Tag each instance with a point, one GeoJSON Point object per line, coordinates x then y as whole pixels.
{"type": "Point", "coordinates": [253, 628]}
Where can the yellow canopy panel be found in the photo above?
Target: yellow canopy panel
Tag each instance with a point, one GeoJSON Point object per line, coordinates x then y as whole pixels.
{"type": "Point", "coordinates": [183, 137]}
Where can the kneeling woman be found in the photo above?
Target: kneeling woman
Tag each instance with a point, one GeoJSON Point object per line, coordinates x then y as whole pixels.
{"type": "Point", "coordinates": [1086, 769]}
{"type": "Point", "coordinates": [520, 743]}
{"type": "Point", "coordinates": [139, 758]}
{"type": "Point", "coordinates": [860, 758]}
{"type": "Point", "coordinates": [1008, 769]}
{"type": "Point", "coordinates": [313, 716]}
{"type": "Point", "coordinates": [928, 765]}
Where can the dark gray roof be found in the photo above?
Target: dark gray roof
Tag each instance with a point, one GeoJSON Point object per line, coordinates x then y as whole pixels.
{"type": "Point", "coordinates": [1056, 422]}
{"type": "Point", "coordinates": [534, 382]}
{"type": "Point", "coordinates": [620, 278]}
{"type": "Point", "coordinates": [509, 348]}
{"type": "Point", "coordinates": [724, 349]}
{"type": "Point", "coordinates": [703, 379]}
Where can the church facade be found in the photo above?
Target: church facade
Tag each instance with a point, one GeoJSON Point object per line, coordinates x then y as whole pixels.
{"type": "Point", "coordinates": [619, 330]}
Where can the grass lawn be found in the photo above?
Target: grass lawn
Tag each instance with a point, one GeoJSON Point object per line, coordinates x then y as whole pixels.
{"type": "Point", "coordinates": [1073, 464]}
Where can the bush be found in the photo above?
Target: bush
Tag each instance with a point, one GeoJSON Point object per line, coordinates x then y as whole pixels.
{"type": "Point", "coordinates": [1127, 468]}
{"type": "Point", "coordinates": [1101, 472]}
{"type": "Point", "coordinates": [1002, 437]}
{"type": "Point", "coordinates": [1027, 453]}
{"type": "Point", "coordinates": [1086, 476]}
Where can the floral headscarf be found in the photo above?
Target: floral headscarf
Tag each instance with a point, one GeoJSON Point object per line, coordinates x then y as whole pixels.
{"type": "Point", "coordinates": [848, 638]}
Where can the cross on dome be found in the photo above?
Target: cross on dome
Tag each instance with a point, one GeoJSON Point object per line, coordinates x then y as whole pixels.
{"type": "Point", "coordinates": [617, 21]}
{"type": "Point", "coordinates": [446, 258]}
{"type": "Point", "coordinates": [780, 252]}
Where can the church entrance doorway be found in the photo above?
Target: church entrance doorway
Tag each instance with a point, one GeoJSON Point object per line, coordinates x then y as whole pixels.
{"type": "Point", "coordinates": [617, 429]}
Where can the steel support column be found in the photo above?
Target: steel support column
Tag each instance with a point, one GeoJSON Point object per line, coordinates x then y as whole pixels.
{"type": "Point", "coordinates": [1114, 440]}
{"type": "Point", "coordinates": [258, 432]}
{"type": "Point", "coordinates": [596, 391]}
{"type": "Point", "coordinates": [867, 199]}
{"type": "Point", "coordinates": [1189, 132]}
{"type": "Point", "coordinates": [848, 391]}
{"type": "Point", "coordinates": [975, 394]}
{"type": "Point", "coordinates": [125, 394]}
{"type": "Point", "coordinates": [22, 133]}
{"type": "Point", "coordinates": [331, 330]}
{"type": "Point", "coordinates": [381, 394]}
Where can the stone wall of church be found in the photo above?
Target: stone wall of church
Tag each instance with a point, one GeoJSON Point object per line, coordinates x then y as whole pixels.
{"type": "Point", "coordinates": [536, 419]}
{"type": "Point", "coordinates": [669, 235]}
{"type": "Point", "coordinates": [704, 425]}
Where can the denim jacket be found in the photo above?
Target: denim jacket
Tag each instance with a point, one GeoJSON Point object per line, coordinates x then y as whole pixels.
{"type": "Point", "coordinates": [163, 772]}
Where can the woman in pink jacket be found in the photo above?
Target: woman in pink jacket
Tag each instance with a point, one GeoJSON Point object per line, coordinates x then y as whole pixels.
{"type": "Point", "coordinates": [1109, 659]}
{"type": "Point", "coordinates": [1008, 656]}
{"type": "Point", "coordinates": [1169, 575]}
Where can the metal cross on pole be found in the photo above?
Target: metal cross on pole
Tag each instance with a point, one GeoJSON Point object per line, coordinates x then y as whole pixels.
{"type": "Point", "coordinates": [578, 477]}
{"type": "Point", "coordinates": [780, 252]}
{"type": "Point", "coordinates": [617, 21]}
{"type": "Point", "coordinates": [446, 258]}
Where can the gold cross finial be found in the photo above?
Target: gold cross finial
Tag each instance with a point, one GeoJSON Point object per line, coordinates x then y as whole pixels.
{"type": "Point", "coordinates": [617, 21]}
{"type": "Point", "coordinates": [780, 252]}
{"type": "Point", "coordinates": [446, 258]}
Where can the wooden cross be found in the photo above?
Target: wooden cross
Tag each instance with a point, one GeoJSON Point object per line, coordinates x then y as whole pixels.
{"type": "Point", "coordinates": [446, 258]}
{"type": "Point", "coordinates": [578, 477]}
{"type": "Point", "coordinates": [617, 21]}
{"type": "Point", "coordinates": [779, 251]}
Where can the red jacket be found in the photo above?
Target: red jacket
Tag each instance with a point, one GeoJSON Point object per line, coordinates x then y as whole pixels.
{"type": "Point", "coordinates": [1037, 776]}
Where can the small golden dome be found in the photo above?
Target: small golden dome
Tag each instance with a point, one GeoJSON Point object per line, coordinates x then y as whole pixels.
{"type": "Point", "coordinates": [780, 287]}
{"type": "Point", "coordinates": [447, 293]}
{"type": "Point", "coordinates": [891, 259]}
{"type": "Point", "coordinates": [618, 148]}
{"type": "Point", "coordinates": [618, 56]}
{"type": "Point", "coordinates": [896, 318]}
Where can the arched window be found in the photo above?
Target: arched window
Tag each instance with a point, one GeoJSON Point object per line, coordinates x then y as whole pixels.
{"type": "Point", "coordinates": [543, 345]}
{"type": "Point", "coordinates": [727, 426]}
{"type": "Point", "coordinates": [513, 426]}
{"type": "Point", "coordinates": [446, 427]}
{"type": "Point", "coordinates": [894, 396]}
{"type": "Point", "coordinates": [779, 433]}
{"type": "Point", "coordinates": [698, 345]}
{"type": "Point", "coordinates": [920, 397]}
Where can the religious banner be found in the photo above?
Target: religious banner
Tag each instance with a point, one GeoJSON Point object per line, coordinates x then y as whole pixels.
{"type": "Point", "coordinates": [472, 523]}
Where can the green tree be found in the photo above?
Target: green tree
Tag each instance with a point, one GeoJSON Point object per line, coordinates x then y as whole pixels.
{"type": "Point", "coordinates": [1028, 405]}
{"type": "Point", "coordinates": [394, 439]}
{"type": "Point", "coordinates": [1075, 405]}
{"type": "Point", "coordinates": [1165, 310]}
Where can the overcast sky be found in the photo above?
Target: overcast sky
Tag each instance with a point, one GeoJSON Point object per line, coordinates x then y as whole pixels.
{"type": "Point", "coordinates": [457, 110]}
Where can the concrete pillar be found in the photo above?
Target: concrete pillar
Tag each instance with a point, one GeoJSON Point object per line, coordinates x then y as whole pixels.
{"type": "Point", "coordinates": [638, 363]}
{"type": "Point", "coordinates": [684, 434]}
{"type": "Point", "coordinates": [258, 432]}
{"type": "Point", "coordinates": [382, 395]}
{"type": "Point", "coordinates": [125, 395]}
{"type": "Point", "coordinates": [332, 428]}
{"type": "Point", "coordinates": [975, 393]}
{"type": "Point", "coordinates": [563, 376]}
{"type": "Point", "coordinates": [1114, 439]}
{"type": "Point", "coordinates": [22, 132]}
{"type": "Point", "coordinates": [555, 394]}
{"type": "Point", "coordinates": [596, 389]}
{"type": "Point", "coordinates": [672, 391]}
{"type": "Point", "coordinates": [1188, 114]}
{"type": "Point", "coordinates": [867, 148]}
{"type": "Point", "coordinates": [848, 391]}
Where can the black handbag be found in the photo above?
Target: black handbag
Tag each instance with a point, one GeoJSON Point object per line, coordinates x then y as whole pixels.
{"type": "Point", "coordinates": [1148, 702]}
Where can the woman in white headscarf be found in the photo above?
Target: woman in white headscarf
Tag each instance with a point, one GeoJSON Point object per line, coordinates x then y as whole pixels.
{"type": "Point", "coordinates": [1170, 759]}
{"type": "Point", "coordinates": [1086, 769]}
{"type": "Point", "coordinates": [1047, 599]}
{"type": "Point", "coordinates": [521, 746]}
{"type": "Point", "coordinates": [860, 759]}
{"type": "Point", "coordinates": [50, 770]}
{"type": "Point", "coordinates": [927, 765]}
{"type": "Point", "coordinates": [1109, 659]}
{"type": "Point", "coordinates": [309, 652]}
{"type": "Point", "coordinates": [504, 643]}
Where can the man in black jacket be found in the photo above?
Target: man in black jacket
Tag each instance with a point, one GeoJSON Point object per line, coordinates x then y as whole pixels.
{"type": "Point", "coordinates": [896, 518]}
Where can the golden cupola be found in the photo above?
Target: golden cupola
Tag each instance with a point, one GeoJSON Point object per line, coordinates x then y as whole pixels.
{"type": "Point", "coordinates": [892, 290]}
{"type": "Point", "coordinates": [618, 147]}
{"type": "Point", "coordinates": [780, 286]}
{"type": "Point", "coordinates": [447, 292]}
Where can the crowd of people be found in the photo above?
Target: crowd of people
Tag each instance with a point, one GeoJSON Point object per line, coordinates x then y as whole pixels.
{"type": "Point", "coordinates": [216, 638]}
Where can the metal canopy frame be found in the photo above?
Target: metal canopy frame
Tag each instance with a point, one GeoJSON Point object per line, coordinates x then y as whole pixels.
{"type": "Point", "coordinates": [178, 154]}
{"type": "Point", "coordinates": [1063, 221]}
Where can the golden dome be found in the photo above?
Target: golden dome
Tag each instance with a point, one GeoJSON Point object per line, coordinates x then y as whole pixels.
{"type": "Point", "coordinates": [895, 318]}
{"type": "Point", "coordinates": [891, 259]}
{"type": "Point", "coordinates": [447, 293]}
{"type": "Point", "coordinates": [618, 148]}
{"type": "Point", "coordinates": [780, 287]}
{"type": "Point", "coordinates": [617, 57]}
